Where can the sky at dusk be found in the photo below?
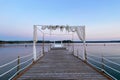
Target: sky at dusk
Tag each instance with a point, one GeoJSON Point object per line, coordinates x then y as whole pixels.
{"type": "Point", "coordinates": [101, 17]}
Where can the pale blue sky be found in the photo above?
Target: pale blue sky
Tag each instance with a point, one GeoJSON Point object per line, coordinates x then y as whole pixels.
{"type": "Point", "coordinates": [101, 17]}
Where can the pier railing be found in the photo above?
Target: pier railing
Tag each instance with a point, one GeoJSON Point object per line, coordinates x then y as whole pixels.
{"type": "Point", "coordinates": [102, 63]}
{"type": "Point", "coordinates": [17, 68]}
{"type": "Point", "coordinates": [19, 65]}
{"type": "Point", "coordinates": [106, 65]}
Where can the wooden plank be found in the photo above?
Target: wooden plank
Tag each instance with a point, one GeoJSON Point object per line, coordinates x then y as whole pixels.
{"type": "Point", "coordinates": [59, 65]}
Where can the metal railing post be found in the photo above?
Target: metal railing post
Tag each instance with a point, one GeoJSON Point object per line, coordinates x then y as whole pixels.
{"type": "Point", "coordinates": [73, 42]}
{"type": "Point", "coordinates": [84, 54]}
{"type": "Point", "coordinates": [102, 63]}
{"type": "Point", "coordinates": [61, 43]}
{"type": "Point", "coordinates": [43, 43]}
{"type": "Point", "coordinates": [50, 45]}
{"type": "Point", "coordinates": [18, 63]}
{"type": "Point", "coordinates": [77, 53]}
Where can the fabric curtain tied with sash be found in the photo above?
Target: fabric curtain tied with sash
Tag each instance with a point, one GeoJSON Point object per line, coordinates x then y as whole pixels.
{"type": "Point", "coordinates": [81, 32]}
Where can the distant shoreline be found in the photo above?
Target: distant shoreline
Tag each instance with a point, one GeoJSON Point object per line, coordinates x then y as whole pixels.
{"type": "Point", "coordinates": [64, 41]}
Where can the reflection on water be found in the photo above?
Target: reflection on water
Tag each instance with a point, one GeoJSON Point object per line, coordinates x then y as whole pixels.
{"type": "Point", "coordinates": [9, 52]}
{"type": "Point", "coordinates": [111, 51]}
{"type": "Point", "coordinates": [108, 50]}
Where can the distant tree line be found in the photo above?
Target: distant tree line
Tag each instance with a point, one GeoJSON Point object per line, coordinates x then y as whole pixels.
{"type": "Point", "coordinates": [64, 41]}
{"type": "Point", "coordinates": [39, 41]}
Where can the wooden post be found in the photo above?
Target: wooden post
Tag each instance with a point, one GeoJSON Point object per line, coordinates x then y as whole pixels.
{"type": "Point", "coordinates": [18, 62]}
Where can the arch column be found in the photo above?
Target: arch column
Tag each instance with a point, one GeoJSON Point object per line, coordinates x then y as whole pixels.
{"type": "Point", "coordinates": [34, 42]}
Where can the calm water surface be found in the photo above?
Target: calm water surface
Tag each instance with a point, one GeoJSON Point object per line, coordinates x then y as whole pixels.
{"type": "Point", "coordinates": [111, 51]}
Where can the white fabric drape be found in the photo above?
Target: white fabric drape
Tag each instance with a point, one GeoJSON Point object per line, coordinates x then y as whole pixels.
{"type": "Point", "coordinates": [62, 27]}
{"type": "Point", "coordinates": [35, 33]}
{"type": "Point", "coordinates": [81, 32]}
{"type": "Point", "coordinates": [43, 27]}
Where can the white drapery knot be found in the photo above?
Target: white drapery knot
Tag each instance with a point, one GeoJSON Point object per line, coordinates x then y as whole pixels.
{"type": "Point", "coordinates": [81, 33]}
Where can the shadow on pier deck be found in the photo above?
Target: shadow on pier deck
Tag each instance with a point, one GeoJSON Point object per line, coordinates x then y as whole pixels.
{"type": "Point", "coordinates": [61, 65]}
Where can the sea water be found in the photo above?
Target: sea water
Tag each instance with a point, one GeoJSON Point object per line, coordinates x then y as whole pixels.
{"type": "Point", "coordinates": [9, 52]}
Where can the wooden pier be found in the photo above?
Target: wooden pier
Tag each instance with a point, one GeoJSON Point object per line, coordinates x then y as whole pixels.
{"type": "Point", "coordinates": [59, 64]}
